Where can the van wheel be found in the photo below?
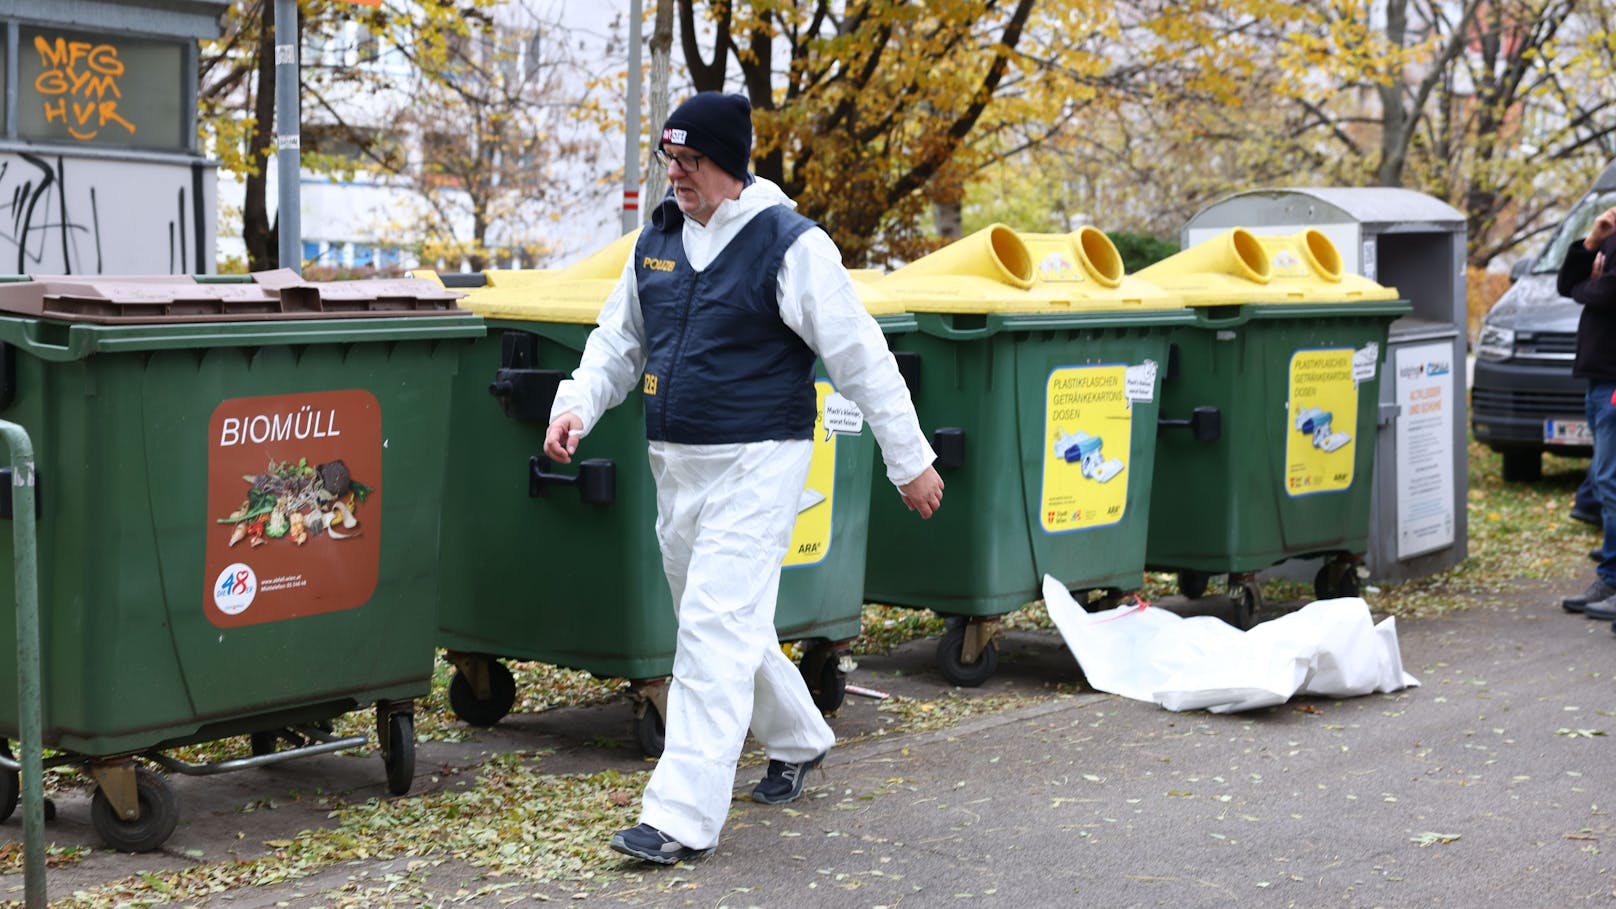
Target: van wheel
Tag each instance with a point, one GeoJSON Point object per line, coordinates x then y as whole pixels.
{"type": "Point", "coordinates": [1522, 466]}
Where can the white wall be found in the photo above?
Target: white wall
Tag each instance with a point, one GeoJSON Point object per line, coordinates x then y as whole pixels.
{"type": "Point", "coordinates": [64, 213]}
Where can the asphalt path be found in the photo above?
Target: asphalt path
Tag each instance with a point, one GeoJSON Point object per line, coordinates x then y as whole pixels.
{"type": "Point", "coordinates": [1490, 784]}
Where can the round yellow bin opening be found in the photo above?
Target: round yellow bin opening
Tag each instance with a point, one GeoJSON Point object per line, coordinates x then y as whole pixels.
{"type": "Point", "coordinates": [1251, 260]}
{"type": "Point", "coordinates": [1100, 256]}
{"type": "Point", "coordinates": [1010, 254]}
{"type": "Point", "coordinates": [1322, 255]}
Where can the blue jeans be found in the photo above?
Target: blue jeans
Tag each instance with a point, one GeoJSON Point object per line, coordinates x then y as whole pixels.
{"type": "Point", "coordinates": [1602, 421]}
{"type": "Point", "coordinates": [1586, 498]}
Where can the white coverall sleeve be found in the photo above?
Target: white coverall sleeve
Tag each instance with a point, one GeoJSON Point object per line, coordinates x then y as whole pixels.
{"type": "Point", "coordinates": [613, 357]}
{"type": "Point", "coordinates": [818, 302]}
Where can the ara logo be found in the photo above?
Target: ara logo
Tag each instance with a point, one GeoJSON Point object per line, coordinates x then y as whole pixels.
{"type": "Point", "coordinates": [1285, 261]}
{"type": "Point", "coordinates": [1056, 267]}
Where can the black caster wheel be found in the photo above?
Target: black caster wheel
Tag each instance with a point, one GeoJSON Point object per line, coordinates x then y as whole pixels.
{"type": "Point", "coordinates": [399, 755]}
{"type": "Point", "coordinates": [10, 785]}
{"type": "Point", "coordinates": [1336, 579]}
{"type": "Point", "coordinates": [263, 743]}
{"type": "Point", "coordinates": [477, 711]}
{"type": "Point", "coordinates": [1193, 583]}
{"type": "Point", "coordinates": [827, 683]}
{"type": "Point", "coordinates": [650, 733]}
{"type": "Point", "coordinates": [950, 658]}
{"type": "Point", "coordinates": [158, 814]}
{"type": "Point", "coordinates": [1247, 599]}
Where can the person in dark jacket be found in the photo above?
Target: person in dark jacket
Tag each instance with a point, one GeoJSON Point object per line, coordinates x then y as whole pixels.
{"type": "Point", "coordinates": [1588, 276]}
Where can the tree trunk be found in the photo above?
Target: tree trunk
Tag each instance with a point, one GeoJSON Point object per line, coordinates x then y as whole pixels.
{"type": "Point", "coordinates": [706, 75]}
{"type": "Point", "coordinates": [261, 237]}
{"type": "Point", "coordinates": [950, 220]}
{"type": "Point", "coordinates": [656, 176]}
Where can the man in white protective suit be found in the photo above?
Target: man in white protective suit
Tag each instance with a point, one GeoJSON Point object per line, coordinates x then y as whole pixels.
{"type": "Point", "coordinates": [723, 306]}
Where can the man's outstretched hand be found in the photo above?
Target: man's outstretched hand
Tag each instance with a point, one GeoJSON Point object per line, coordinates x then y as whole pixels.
{"type": "Point", "coordinates": [924, 493]}
{"type": "Point", "coordinates": [561, 439]}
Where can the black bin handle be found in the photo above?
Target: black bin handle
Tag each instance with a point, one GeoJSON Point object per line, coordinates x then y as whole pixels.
{"type": "Point", "coordinates": [1205, 424]}
{"type": "Point", "coordinates": [596, 479]}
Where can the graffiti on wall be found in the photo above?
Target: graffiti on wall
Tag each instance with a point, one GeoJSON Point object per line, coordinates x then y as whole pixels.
{"type": "Point", "coordinates": [67, 215]}
{"type": "Point", "coordinates": [79, 82]}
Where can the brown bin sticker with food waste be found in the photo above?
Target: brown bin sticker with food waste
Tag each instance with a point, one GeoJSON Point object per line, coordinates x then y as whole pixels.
{"type": "Point", "coordinates": [294, 506]}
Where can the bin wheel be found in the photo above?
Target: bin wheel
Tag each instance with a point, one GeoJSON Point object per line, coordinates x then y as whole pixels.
{"type": "Point", "coordinates": [263, 743]}
{"type": "Point", "coordinates": [950, 662]}
{"type": "Point", "coordinates": [650, 732]}
{"type": "Point", "coordinates": [1247, 599]}
{"type": "Point", "coordinates": [159, 812]}
{"type": "Point", "coordinates": [1336, 579]}
{"type": "Point", "coordinates": [399, 757]}
{"type": "Point", "coordinates": [464, 702]}
{"type": "Point", "coordinates": [10, 785]}
{"type": "Point", "coordinates": [1193, 583]}
{"type": "Point", "coordinates": [827, 683]}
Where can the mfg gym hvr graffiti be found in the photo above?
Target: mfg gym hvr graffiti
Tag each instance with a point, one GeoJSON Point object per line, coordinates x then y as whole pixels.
{"type": "Point", "coordinates": [79, 82]}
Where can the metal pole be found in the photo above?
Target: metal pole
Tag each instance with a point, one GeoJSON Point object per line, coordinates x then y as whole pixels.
{"type": "Point", "coordinates": [631, 125]}
{"type": "Point", "coordinates": [656, 176]}
{"type": "Point", "coordinates": [289, 166]}
{"type": "Point", "coordinates": [29, 721]}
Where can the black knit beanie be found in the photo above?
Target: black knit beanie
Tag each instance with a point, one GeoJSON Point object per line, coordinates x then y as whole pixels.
{"type": "Point", "coordinates": [717, 125]}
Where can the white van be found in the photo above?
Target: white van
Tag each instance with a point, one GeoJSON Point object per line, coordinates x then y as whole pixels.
{"type": "Point", "coordinates": [1523, 399]}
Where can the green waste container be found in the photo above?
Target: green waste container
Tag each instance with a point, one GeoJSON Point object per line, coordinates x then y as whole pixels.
{"type": "Point", "coordinates": [590, 593]}
{"type": "Point", "coordinates": [1288, 349]}
{"type": "Point", "coordinates": [193, 441]}
{"type": "Point", "coordinates": [1039, 367]}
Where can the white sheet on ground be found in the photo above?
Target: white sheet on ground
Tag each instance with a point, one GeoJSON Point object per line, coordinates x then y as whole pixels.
{"type": "Point", "coordinates": [1328, 648]}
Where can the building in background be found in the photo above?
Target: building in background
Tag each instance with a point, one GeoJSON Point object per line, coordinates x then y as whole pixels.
{"type": "Point", "coordinates": [511, 158]}
{"type": "Point", "coordinates": [100, 172]}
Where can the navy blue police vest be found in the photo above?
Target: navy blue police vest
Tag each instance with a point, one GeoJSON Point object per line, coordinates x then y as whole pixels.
{"type": "Point", "coordinates": [721, 366]}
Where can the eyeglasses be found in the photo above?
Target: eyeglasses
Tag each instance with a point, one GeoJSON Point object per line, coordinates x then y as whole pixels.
{"type": "Point", "coordinates": [687, 163]}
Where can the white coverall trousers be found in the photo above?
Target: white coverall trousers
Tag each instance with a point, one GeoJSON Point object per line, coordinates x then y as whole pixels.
{"type": "Point", "coordinates": [724, 519]}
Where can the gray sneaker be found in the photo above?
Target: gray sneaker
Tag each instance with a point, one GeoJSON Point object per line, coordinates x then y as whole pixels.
{"type": "Point", "coordinates": [783, 781]}
{"type": "Point", "coordinates": [1596, 592]}
{"type": "Point", "coordinates": [1604, 610]}
{"type": "Point", "coordinates": [649, 844]}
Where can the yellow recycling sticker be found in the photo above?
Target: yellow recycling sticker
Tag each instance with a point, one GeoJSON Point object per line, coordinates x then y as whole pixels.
{"type": "Point", "coordinates": [1321, 418]}
{"type": "Point", "coordinates": [1088, 436]}
{"type": "Point", "coordinates": [810, 538]}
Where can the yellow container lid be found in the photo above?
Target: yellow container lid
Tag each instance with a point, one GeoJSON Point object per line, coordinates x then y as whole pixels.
{"type": "Point", "coordinates": [988, 271]}
{"type": "Point", "coordinates": [1307, 268]}
{"type": "Point", "coordinates": [1238, 266]}
{"type": "Point", "coordinates": [575, 294]}
{"type": "Point", "coordinates": [572, 295]}
{"type": "Point", "coordinates": [869, 284]}
{"type": "Point", "coordinates": [1232, 267]}
{"type": "Point", "coordinates": [996, 270]}
{"type": "Point", "coordinates": [1085, 268]}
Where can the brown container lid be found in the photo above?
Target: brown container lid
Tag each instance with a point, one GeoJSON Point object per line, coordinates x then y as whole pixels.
{"type": "Point", "coordinates": [280, 294]}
